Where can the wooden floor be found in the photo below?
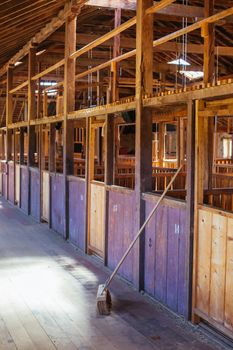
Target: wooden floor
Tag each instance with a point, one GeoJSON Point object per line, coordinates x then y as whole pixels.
{"type": "Point", "coordinates": [47, 299]}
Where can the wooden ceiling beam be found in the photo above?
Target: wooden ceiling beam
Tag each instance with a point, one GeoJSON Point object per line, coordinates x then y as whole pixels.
{"type": "Point", "coordinates": [174, 9]}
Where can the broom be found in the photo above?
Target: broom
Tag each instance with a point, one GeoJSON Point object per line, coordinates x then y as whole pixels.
{"type": "Point", "coordinates": [103, 300]}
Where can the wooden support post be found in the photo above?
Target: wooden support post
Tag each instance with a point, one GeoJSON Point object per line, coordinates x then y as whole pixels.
{"type": "Point", "coordinates": [144, 85]}
{"type": "Point", "coordinates": [14, 161]}
{"type": "Point", "coordinates": [21, 146]}
{"type": "Point", "coordinates": [87, 165]}
{"type": "Point", "coordinates": [52, 150]}
{"type": "Point", "coordinates": [9, 118]}
{"type": "Point", "coordinates": [109, 171]}
{"type": "Point", "coordinates": [90, 174]}
{"type": "Point", "coordinates": [115, 66]}
{"type": "Point", "coordinates": [9, 113]}
{"type": "Point", "coordinates": [109, 149]}
{"type": "Point", "coordinates": [45, 104]}
{"type": "Point", "coordinates": [161, 143]}
{"type": "Point", "coordinates": [39, 96]}
{"type": "Point", "coordinates": [69, 106]}
{"type": "Point", "coordinates": [2, 145]}
{"type": "Point", "coordinates": [31, 105]}
{"type": "Point", "coordinates": [208, 33]}
{"type": "Point", "coordinates": [190, 170]}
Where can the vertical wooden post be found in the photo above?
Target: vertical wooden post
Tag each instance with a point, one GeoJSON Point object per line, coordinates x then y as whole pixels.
{"type": "Point", "coordinates": [9, 118]}
{"type": "Point", "coordinates": [52, 153]}
{"type": "Point", "coordinates": [161, 143]}
{"type": "Point", "coordinates": [31, 145]}
{"type": "Point", "coordinates": [144, 85]}
{"type": "Point", "coordinates": [208, 33]}
{"type": "Point", "coordinates": [21, 146]}
{"type": "Point", "coordinates": [109, 171]}
{"type": "Point", "coordinates": [31, 105]}
{"type": "Point", "coordinates": [9, 113]}
{"type": "Point", "coordinates": [39, 96]}
{"type": "Point", "coordinates": [69, 106]}
{"type": "Point", "coordinates": [190, 171]}
{"type": "Point", "coordinates": [87, 150]}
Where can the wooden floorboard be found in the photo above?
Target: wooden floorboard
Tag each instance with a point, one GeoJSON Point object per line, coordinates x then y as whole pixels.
{"type": "Point", "coordinates": [48, 295]}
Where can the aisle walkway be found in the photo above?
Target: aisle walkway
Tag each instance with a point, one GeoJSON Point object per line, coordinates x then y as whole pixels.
{"type": "Point", "coordinates": [47, 299]}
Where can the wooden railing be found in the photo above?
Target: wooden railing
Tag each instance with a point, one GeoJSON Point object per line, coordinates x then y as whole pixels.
{"type": "Point", "coordinates": [221, 198]}
{"type": "Point", "coordinates": [222, 180]}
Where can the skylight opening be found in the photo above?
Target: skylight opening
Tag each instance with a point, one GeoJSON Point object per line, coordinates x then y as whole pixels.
{"type": "Point", "coordinates": [179, 62]}
{"type": "Point", "coordinates": [40, 52]}
{"type": "Point", "coordinates": [192, 75]}
{"type": "Point", "coordinates": [18, 63]}
{"type": "Point", "coordinates": [48, 83]}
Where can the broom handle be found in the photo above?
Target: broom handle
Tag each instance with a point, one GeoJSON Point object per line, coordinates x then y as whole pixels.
{"type": "Point", "coordinates": [109, 280]}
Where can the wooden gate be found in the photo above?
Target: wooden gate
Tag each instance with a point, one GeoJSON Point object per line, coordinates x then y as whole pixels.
{"type": "Point", "coordinates": [45, 196]}
{"type": "Point", "coordinates": [213, 287]}
{"type": "Point", "coordinates": [96, 218]}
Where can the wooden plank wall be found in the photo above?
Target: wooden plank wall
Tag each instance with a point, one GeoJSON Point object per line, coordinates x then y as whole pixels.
{"type": "Point", "coordinates": [121, 211]}
{"type": "Point", "coordinates": [77, 210]}
{"type": "Point", "coordinates": [35, 193]}
{"type": "Point", "coordinates": [165, 254]}
{"type": "Point", "coordinates": [11, 185]}
{"type": "Point", "coordinates": [24, 189]}
{"type": "Point", "coordinates": [57, 204]}
{"type": "Point", "coordinates": [214, 266]}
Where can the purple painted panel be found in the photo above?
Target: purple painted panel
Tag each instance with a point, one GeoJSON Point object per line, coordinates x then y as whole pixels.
{"type": "Point", "coordinates": [183, 283]}
{"type": "Point", "coordinates": [165, 256]}
{"type": "Point", "coordinates": [11, 186]}
{"type": "Point", "coordinates": [77, 213]}
{"type": "Point", "coordinates": [160, 253]}
{"type": "Point", "coordinates": [173, 257]}
{"type": "Point", "coordinates": [4, 185]}
{"type": "Point", "coordinates": [150, 250]}
{"type": "Point", "coordinates": [121, 233]}
{"type": "Point", "coordinates": [58, 204]}
{"type": "Point", "coordinates": [24, 187]}
{"type": "Point", "coordinates": [35, 193]}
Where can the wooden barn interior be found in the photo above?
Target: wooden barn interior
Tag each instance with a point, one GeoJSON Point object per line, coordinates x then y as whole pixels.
{"type": "Point", "coordinates": [101, 103]}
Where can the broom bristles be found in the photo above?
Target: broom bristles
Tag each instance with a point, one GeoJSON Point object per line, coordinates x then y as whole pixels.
{"type": "Point", "coordinates": [103, 301]}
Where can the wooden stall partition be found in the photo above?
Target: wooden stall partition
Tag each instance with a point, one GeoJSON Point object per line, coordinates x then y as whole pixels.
{"type": "Point", "coordinates": [24, 189]}
{"type": "Point", "coordinates": [166, 249]}
{"type": "Point", "coordinates": [45, 192]}
{"type": "Point", "coordinates": [11, 182]}
{"type": "Point", "coordinates": [4, 178]}
{"type": "Point", "coordinates": [96, 235]}
{"type": "Point", "coordinates": [1, 182]}
{"type": "Point", "coordinates": [77, 211]}
{"type": "Point", "coordinates": [121, 210]}
{"type": "Point", "coordinates": [214, 269]}
{"type": "Point", "coordinates": [35, 193]}
{"type": "Point", "coordinates": [57, 204]}
{"type": "Point", "coordinates": [17, 184]}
